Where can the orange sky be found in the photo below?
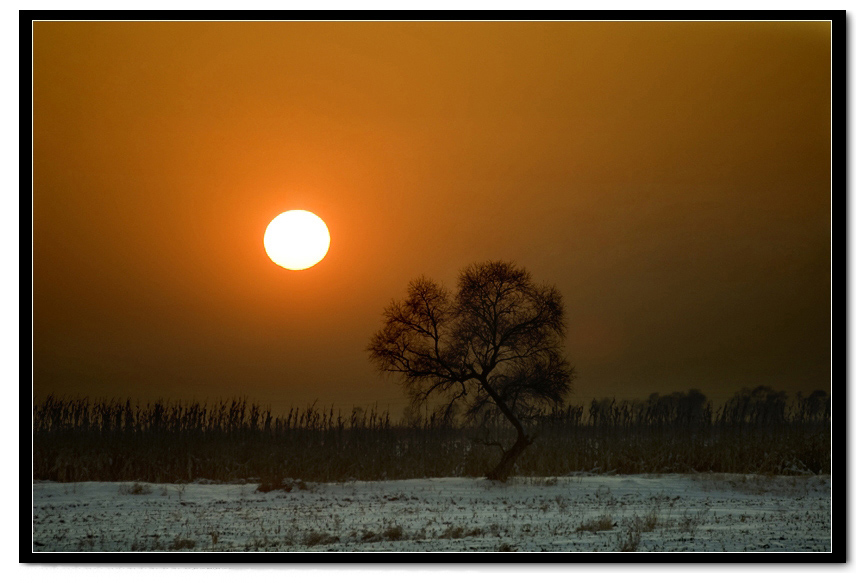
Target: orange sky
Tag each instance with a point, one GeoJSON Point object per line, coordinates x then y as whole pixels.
{"type": "Point", "coordinates": [671, 178]}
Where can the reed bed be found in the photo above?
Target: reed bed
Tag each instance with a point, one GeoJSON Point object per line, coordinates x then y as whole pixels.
{"type": "Point", "coordinates": [757, 431]}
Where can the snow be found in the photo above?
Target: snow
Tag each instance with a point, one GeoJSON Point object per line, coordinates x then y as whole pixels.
{"type": "Point", "coordinates": [666, 513]}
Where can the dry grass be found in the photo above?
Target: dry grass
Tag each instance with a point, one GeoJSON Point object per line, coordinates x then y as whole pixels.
{"type": "Point", "coordinates": [455, 532]}
{"type": "Point", "coordinates": [181, 544]}
{"type": "Point", "coordinates": [319, 538]}
{"type": "Point", "coordinates": [647, 523]}
{"type": "Point", "coordinates": [79, 440]}
{"type": "Point", "coordinates": [629, 540]}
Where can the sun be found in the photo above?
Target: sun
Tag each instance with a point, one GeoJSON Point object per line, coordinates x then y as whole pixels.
{"type": "Point", "coordinates": [296, 240]}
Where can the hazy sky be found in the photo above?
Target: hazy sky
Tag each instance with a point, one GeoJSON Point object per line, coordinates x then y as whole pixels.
{"type": "Point", "coordinates": [671, 178]}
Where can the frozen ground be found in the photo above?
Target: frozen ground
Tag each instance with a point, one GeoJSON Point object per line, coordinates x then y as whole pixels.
{"type": "Point", "coordinates": [702, 512]}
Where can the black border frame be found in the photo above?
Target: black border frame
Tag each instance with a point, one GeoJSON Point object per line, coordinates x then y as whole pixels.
{"type": "Point", "coordinates": [840, 295]}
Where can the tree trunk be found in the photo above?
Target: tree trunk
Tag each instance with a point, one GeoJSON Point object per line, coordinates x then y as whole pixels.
{"type": "Point", "coordinates": [506, 465]}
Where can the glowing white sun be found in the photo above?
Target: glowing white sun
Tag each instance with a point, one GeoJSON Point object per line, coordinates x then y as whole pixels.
{"type": "Point", "coordinates": [296, 239]}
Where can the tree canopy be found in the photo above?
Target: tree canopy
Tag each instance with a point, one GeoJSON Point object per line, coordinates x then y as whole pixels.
{"type": "Point", "coordinates": [496, 343]}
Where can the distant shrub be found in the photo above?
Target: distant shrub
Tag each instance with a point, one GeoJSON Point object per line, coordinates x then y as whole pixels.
{"type": "Point", "coordinates": [135, 489]}
{"type": "Point", "coordinates": [285, 484]}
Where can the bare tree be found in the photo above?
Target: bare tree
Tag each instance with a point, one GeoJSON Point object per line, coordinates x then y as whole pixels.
{"type": "Point", "coordinates": [496, 343]}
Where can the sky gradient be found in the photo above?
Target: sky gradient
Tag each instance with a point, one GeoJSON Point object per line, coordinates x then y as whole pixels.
{"type": "Point", "coordinates": [672, 179]}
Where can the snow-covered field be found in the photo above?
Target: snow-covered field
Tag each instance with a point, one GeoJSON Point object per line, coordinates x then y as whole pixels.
{"type": "Point", "coordinates": [702, 512]}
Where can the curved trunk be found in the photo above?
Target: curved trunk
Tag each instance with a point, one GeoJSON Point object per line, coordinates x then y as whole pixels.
{"type": "Point", "coordinates": [506, 465]}
{"type": "Point", "coordinates": [503, 470]}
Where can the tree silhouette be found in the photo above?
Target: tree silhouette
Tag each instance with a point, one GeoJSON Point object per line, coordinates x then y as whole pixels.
{"type": "Point", "coordinates": [496, 343]}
